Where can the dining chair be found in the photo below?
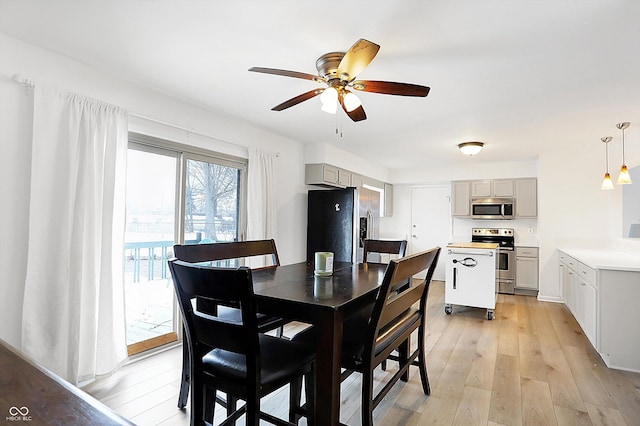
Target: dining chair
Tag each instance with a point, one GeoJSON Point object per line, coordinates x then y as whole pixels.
{"type": "Point", "coordinates": [397, 247]}
{"type": "Point", "coordinates": [226, 254]}
{"type": "Point", "coordinates": [232, 355]}
{"type": "Point", "coordinates": [391, 247]}
{"type": "Point", "coordinates": [367, 343]}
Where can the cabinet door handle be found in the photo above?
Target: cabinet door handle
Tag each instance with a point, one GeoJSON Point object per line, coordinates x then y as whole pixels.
{"type": "Point", "coordinates": [455, 276]}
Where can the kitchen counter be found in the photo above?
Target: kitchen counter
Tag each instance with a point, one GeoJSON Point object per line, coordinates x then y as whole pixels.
{"type": "Point", "coordinates": [601, 288]}
{"type": "Point", "coordinates": [607, 259]}
{"type": "Point", "coordinates": [490, 246]}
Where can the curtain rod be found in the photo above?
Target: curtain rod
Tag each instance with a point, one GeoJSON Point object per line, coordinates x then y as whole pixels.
{"type": "Point", "coordinates": [22, 80]}
{"type": "Point", "coordinates": [175, 126]}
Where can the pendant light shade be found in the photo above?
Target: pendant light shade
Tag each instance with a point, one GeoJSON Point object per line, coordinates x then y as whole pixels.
{"type": "Point", "coordinates": [623, 178]}
{"type": "Point", "coordinates": [470, 148]}
{"type": "Point", "coordinates": [606, 182]}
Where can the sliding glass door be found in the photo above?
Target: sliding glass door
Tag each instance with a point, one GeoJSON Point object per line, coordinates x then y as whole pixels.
{"type": "Point", "coordinates": [151, 221]}
{"type": "Point", "coordinates": [174, 195]}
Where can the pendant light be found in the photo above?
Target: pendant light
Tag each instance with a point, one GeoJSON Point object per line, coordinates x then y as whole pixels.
{"type": "Point", "coordinates": [623, 178]}
{"type": "Point", "coordinates": [606, 182]}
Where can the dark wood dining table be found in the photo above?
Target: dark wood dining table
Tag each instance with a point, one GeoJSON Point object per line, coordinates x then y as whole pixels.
{"type": "Point", "coordinates": [294, 292]}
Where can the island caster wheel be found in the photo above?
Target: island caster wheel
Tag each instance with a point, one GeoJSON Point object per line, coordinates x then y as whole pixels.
{"type": "Point", "coordinates": [448, 309]}
{"type": "Point", "coordinates": [489, 315]}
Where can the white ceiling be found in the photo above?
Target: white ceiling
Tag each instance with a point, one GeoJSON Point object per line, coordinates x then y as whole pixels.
{"type": "Point", "coordinates": [520, 75]}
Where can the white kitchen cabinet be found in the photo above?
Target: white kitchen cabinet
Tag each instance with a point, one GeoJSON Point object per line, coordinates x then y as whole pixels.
{"type": "Point", "coordinates": [572, 291]}
{"type": "Point", "coordinates": [522, 190]}
{"type": "Point", "coordinates": [344, 178]}
{"type": "Point", "coordinates": [526, 268]}
{"type": "Point", "coordinates": [356, 180]}
{"type": "Point", "coordinates": [460, 196]}
{"type": "Point", "coordinates": [588, 310]}
{"type": "Point", "coordinates": [526, 196]}
{"type": "Point", "coordinates": [498, 188]}
{"type": "Point", "coordinates": [502, 188]}
{"type": "Point", "coordinates": [328, 175]}
{"type": "Point", "coordinates": [321, 174]}
{"type": "Point", "coordinates": [569, 282]}
{"type": "Point", "coordinates": [480, 188]}
{"type": "Point", "coordinates": [604, 302]}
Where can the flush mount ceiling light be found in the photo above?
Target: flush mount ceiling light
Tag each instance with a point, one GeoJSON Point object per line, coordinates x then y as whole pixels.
{"type": "Point", "coordinates": [470, 148]}
{"type": "Point", "coordinates": [623, 178]}
{"type": "Point", "coordinates": [606, 182]}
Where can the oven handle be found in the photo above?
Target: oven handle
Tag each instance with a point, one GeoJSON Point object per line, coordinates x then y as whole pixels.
{"type": "Point", "coordinates": [490, 253]}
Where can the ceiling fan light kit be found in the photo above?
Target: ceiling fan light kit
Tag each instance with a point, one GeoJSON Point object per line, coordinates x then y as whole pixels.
{"type": "Point", "coordinates": [338, 71]}
{"type": "Point", "coordinates": [470, 148]}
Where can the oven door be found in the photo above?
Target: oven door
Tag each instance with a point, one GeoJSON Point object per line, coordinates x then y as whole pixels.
{"type": "Point", "coordinates": [506, 264]}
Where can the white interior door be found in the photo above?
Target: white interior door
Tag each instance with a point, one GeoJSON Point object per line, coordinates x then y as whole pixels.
{"type": "Point", "coordinates": [431, 222]}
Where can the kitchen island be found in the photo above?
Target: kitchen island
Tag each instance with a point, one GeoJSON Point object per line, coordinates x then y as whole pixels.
{"type": "Point", "coordinates": [601, 288]}
{"type": "Point", "coordinates": [471, 276]}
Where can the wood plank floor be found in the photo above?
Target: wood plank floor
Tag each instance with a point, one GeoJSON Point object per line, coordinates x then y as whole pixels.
{"type": "Point", "coordinates": [530, 365]}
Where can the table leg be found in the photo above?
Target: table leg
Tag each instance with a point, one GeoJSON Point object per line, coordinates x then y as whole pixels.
{"type": "Point", "coordinates": [328, 369]}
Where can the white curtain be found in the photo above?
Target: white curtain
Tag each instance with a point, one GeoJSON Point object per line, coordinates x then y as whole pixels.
{"type": "Point", "coordinates": [261, 198]}
{"type": "Point", "coordinates": [73, 316]}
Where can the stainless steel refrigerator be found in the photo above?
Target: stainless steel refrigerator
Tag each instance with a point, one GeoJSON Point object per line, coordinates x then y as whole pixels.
{"type": "Point", "coordinates": [338, 220]}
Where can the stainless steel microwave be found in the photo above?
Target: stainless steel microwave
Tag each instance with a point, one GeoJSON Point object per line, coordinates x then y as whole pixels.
{"type": "Point", "coordinates": [492, 208]}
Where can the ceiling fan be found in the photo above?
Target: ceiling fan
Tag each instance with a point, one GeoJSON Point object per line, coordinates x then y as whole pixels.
{"type": "Point", "coordinates": [338, 71]}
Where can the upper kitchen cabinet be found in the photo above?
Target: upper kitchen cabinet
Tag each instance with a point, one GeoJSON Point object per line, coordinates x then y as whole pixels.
{"type": "Point", "coordinates": [328, 175]}
{"type": "Point", "coordinates": [460, 197]}
{"type": "Point", "coordinates": [526, 195]}
{"type": "Point", "coordinates": [492, 188]}
{"type": "Point", "coordinates": [522, 190]}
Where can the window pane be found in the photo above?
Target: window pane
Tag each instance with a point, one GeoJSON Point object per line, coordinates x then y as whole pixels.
{"type": "Point", "coordinates": [211, 203]}
{"type": "Point", "coordinates": [149, 239]}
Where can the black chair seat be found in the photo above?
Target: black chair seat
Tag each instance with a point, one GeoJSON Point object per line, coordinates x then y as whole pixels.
{"type": "Point", "coordinates": [279, 360]}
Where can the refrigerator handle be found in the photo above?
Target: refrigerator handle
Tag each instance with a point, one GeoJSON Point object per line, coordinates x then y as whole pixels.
{"type": "Point", "coordinates": [369, 223]}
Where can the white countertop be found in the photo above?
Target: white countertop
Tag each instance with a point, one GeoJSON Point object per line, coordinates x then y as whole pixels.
{"type": "Point", "coordinates": [605, 258]}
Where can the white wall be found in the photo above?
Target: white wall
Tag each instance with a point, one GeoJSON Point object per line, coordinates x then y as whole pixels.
{"type": "Point", "coordinates": [225, 134]}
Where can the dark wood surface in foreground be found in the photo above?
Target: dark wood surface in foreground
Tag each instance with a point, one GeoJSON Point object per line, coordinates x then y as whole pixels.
{"type": "Point", "coordinates": [30, 394]}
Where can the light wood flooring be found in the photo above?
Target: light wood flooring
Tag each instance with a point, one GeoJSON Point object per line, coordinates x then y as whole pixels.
{"type": "Point", "coordinates": [531, 365]}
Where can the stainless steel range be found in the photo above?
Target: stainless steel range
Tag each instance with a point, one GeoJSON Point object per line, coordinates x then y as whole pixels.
{"type": "Point", "coordinates": [506, 254]}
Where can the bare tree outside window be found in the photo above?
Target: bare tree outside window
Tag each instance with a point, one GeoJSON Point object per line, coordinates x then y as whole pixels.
{"type": "Point", "coordinates": [211, 205]}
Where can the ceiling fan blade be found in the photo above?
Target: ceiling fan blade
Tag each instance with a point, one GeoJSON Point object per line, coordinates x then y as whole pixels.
{"type": "Point", "coordinates": [391, 88]}
{"type": "Point", "coordinates": [357, 58]}
{"type": "Point", "coordinates": [288, 73]}
{"type": "Point", "coordinates": [296, 100]}
{"type": "Point", "coordinates": [357, 114]}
